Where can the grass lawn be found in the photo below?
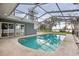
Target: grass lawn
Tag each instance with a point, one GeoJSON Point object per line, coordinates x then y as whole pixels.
{"type": "Point", "coordinates": [61, 33]}
{"type": "Point", "coordinates": [58, 33]}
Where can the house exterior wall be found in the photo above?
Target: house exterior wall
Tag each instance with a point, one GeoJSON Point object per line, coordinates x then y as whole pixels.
{"type": "Point", "coordinates": [29, 29]}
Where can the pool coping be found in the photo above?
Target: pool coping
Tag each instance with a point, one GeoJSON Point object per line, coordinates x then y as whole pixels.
{"type": "Point", "coordinates": [37, 34]}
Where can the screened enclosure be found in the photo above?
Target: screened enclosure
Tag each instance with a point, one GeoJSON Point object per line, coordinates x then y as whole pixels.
{"type": "Point", "coordinates": [56, 17]}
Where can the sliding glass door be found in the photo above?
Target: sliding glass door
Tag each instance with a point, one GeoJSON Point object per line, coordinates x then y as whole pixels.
{"type": "Point", "coordinates": [7, 29]}
{"type": "Point", "coordinates": [19, 29]}
{"type": "Point", "coordinates": [11, 29]}
{"type": "Point", "coordinates": [4, 29]}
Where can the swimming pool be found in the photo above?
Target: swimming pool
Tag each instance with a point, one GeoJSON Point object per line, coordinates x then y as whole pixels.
{"type": "Point", "coordinates": [45, 42]}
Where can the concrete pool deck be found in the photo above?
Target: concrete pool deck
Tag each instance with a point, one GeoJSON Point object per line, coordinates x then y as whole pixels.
{"type": "Point", "coordinates": [11, 47]}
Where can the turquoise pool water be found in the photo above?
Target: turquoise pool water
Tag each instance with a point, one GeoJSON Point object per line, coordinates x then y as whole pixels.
{"type": "Point", "coordinates": [46, 42]}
